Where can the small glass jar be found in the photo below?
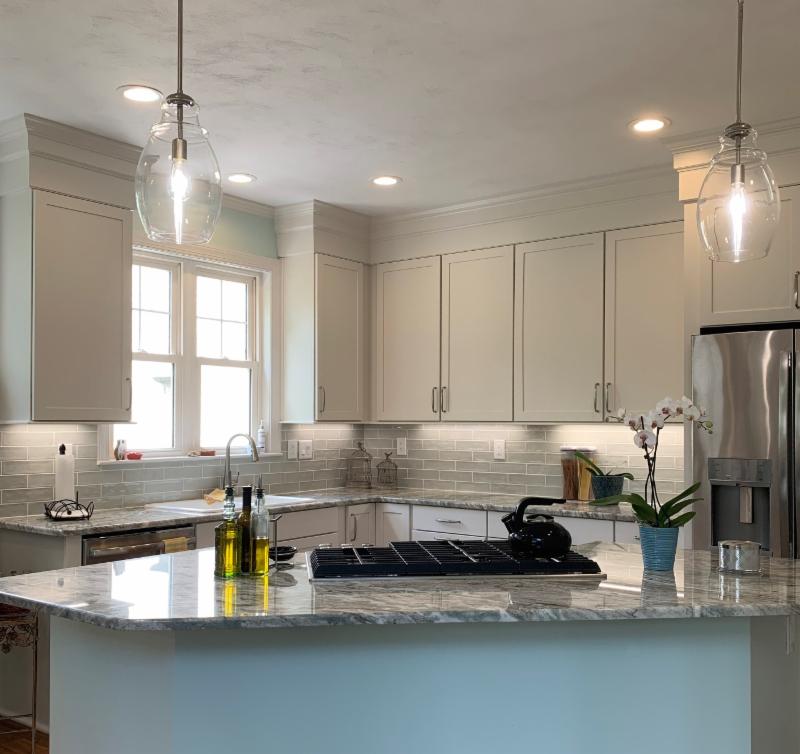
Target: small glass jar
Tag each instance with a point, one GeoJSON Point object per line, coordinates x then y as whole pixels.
{"type": "Point", "coordinates": [577, 481]}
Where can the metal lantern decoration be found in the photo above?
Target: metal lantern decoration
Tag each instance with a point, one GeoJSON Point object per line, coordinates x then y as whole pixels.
{"type": "Point", "coordinates": [359, 468]}
{"type": "Point", "coordinates": [387, 473]}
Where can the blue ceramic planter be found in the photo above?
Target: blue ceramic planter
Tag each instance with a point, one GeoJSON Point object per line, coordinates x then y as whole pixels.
{"type": "Point", "coordinates": [658, 547]}
{"type": "Point", "coordinates": [607, 486]}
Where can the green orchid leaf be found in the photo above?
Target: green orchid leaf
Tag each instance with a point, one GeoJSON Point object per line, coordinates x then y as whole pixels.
{"type": "Point", "coordinates": [673, 508]}
{"type": "Point", "coordinates": [686, 493]}
{"type": "Point", "coordinates": [644, 512]}
{"type": "Point", "coordinates": [594, 469]}
{"type": "Point", "coordinates": [681, 520]}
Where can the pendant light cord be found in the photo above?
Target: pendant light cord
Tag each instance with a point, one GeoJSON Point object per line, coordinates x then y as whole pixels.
{"type": "Point", "coordinates": [738, 64]}
{"type": "Point", "coordinates": [180, 45]}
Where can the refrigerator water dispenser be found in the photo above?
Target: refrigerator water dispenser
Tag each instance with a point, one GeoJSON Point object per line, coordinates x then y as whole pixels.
{"type": "Point", "coordinates": [740, 489]}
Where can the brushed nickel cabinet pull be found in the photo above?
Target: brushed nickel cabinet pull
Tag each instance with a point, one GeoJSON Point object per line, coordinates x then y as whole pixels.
{"type": "Point", "coordinates": [130, 393]}
{"type": "Point", "coordinates": [445, 400]}
{"type": "Point", "coordinates": [597, 397]}
{"type": "Point", "coordinates": [797, 290]}
{"type": "Point", "coordinates": [324, 399]}
{"type": "Point", "coordinates": [433, 401]}
{"type": "Point", "coordinates": [608, 397]}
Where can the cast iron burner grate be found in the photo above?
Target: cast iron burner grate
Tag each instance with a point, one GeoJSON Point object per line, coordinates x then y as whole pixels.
{"type": "Point", "coordinates": [453, 557]}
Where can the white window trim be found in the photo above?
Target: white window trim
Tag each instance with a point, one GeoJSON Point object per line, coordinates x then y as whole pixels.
{"type": "Point", "coordinates": [266, 339]}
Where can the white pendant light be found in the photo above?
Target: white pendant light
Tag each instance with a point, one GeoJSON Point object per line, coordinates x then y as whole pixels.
{"type": "Point", "coordinates": [739, 204]}
{"type": "Point", "coordinates": [178, 181]}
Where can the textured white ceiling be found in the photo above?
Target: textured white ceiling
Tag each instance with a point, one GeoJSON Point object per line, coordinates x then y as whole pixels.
{"type": "Point", "coordinates": [463, 98]}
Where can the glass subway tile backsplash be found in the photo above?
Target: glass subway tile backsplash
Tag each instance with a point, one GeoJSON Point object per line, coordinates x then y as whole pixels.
{"type": "Point", "coordinates": [454, 457]}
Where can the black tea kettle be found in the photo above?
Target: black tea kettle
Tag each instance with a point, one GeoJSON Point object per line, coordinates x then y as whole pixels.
{"type": "Point", "coordinates": [539, 536]}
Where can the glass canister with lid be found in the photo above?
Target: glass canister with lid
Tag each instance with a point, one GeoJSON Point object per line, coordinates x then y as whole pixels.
{"type": "Point", "coordinates": [576, 477]}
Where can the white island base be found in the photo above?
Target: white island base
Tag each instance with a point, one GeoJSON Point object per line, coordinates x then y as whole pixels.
{"type": "Point", "coordinates": [679, 686]}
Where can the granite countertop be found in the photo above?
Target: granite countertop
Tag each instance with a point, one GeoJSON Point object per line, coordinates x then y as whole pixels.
{"type": "Point", "coordinates": [179, 592]}
{"type": "Point", "coordinates": [123, 519]}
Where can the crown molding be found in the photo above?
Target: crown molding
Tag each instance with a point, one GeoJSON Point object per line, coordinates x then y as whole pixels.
{"type": "Point", "coordinates": [709, 139]}
{"type": "Point", "coordinates": [545, 191]}
{"type": "Point", "coordinates": [239, 204]}
{"type": "Point", "coordinates": [318, 227]}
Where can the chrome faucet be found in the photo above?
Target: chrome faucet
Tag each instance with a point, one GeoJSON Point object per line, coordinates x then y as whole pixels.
{"type": "Point", "coordinates": [228, 478]}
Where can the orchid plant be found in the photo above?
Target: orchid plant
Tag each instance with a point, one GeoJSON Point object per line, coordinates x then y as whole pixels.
{"type": "Point", "coordinates": [649, 509]}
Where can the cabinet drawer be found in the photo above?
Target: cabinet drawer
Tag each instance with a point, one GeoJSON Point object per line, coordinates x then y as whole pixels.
{"type": "Point", "coordinates": [585, 530]}
{"type": "Point", "coordinates": [419, 534]}
{"type": "Point", "coordinates": [449, 520]}
{"type": "Point", "coordinates": [496, 528]}
{"type": "Point", "coordinates": [307, 523]}
{"type": "Point", "coordinates": [304, 544]}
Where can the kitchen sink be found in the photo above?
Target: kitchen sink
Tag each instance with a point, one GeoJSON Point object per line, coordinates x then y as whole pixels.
{"type": "Point", "coordinates": [201, 506]}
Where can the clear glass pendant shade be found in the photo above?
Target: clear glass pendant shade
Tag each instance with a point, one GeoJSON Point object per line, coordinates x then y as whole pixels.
{"type": "Point", "coordinates": [178, 181]}
{"type": "Point", "coordinates": [739, 204]}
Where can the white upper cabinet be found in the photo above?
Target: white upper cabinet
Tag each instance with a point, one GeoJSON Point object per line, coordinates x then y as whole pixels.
{"type": "Point", "coordinates": [408, 310]}
{"type": "Point", "coordinates": [762, 290]}
{"type": "Point", "coordinates": [340, 341]}
{"type": "Point", "coordinates": [558, 330]}
{"type": "Point", "coordinates": [76, 276]}
{"type": "Point", "coordinates": [323, 339]}
{"type": "Point", "coordinates": [644, 316]}
{"type": "Point", "coordinates": [478, 335]}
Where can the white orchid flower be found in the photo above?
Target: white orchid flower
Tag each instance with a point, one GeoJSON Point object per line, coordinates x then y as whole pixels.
{"type": "Point", "coordinates": [654, 420]}
{"type": "Point", "coordinates": [634, 421]}
{"type": "Point", "coordinates": [667, 407]}
{"type": "Point", "coordinates": [645, 438]}
{"type": "Point", "coordinates": [692, 413]}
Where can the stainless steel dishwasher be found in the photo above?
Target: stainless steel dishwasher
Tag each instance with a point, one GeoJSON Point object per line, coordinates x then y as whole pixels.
{"type": "Point", "coordinates": [104, 548]}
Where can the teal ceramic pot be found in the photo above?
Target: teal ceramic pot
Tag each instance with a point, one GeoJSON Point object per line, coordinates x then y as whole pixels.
{"type": "Point", "coordinates": [658, 547]}
{"type": "Point", "coordinates": [607, 486]}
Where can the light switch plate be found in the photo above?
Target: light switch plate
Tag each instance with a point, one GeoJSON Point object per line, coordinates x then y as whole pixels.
{"type": "Point", "coordinates": [499, 450]}
{"type": "Point", "coordinates": [306, 450]}
{"type": "Point", "coordinates": [292, 453]}
{"type": "Point", "coordinates": [402, 448]}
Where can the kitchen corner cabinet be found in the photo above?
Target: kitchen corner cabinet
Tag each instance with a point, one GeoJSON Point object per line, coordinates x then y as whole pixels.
{"type": "Point", "coordinates": [392, 523]}
{"type": "Point", "coordinates": [65, 298]}
{"type": "Point", "coordinates": [408, 306]}
{"type": "Point", "coordinates": [558, 330]}
{"type": "Point", "coordinates": [324, 339]}
{"type": "Point", "coordinates": [643, 316]}
{"type": "Point", "coordinates": [762, 290]}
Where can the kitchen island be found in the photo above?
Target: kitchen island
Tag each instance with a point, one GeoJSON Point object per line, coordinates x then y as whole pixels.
{"type": "Point", "coordinates": [694, 661]}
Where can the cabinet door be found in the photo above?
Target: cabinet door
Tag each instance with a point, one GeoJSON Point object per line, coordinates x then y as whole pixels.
{"type": "Point", "coordinates": [360, 524]}
{"type": "Point", "coordinates": [82, 258]}
{"type": "Point", "coordinates": [644, 316]}
{"type": "Point", "coordinates": [478, 335]}
{"type": "Point", "coordinates": [584, 530]}
{"type": "Point", "coordinates": [763, 290]}
{"type": "Point", "coordinates": [392, 523]}
{"type": "Point", "coordinates": [408, 300]}
{"type": "Point", "coordinates": [340, 341]}
{"type": "Point", "coordinates": [558, 330]}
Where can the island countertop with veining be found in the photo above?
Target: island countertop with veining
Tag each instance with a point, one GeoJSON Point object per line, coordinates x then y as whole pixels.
{"type": "Point", "coordinates": [126, 519]}
{"type": "Point", "coordinates": [179, 592]}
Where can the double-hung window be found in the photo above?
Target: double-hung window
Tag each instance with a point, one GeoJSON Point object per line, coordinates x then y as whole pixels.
{"type": "Point", "coordinates": [197, 369]}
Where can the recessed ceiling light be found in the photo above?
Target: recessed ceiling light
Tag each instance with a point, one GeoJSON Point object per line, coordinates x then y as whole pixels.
{"type": "Point", "coordinates": [140, 93]}
{"type": "Point", "coordinates": [386, 180]}
{"type": "Point", "coordinates": [241, 178]}
{"type": "Point", "coordinates": [649, 125]}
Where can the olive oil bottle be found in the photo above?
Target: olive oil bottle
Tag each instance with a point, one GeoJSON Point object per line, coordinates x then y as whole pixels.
{"type": "Point", "coordinates": [245, 521]}
{"type": "Point", "coordinates": [259, 535]}
{"type": "Point", "coordinates": [227, 541]}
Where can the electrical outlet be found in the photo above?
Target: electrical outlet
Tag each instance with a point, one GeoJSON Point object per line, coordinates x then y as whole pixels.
{"type": "Point", "coordinates": [499, 450]}
{"type": "Point", "coordinates": [306, 450]}
{"type": "Point", "coordinates": [292, 454]}
{"type": "Point", "coordinates": [402, 448]}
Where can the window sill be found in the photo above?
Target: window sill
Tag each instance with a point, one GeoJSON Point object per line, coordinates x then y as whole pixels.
{"type": "Point", "coordinates": [182, 460]}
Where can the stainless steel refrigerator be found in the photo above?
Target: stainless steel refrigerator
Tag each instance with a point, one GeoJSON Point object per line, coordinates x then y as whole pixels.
{"type": "Point", "coordinates": [748, 467]}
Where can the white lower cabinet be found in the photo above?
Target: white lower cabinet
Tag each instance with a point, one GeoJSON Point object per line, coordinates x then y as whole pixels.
{"type": "Point", "coordinates": [582, 530]}
{"type": "Point", "coordinates": [392, 523]}
{"type": "Point", "coordinates": [459, 521]}
{"type": "Point", "coordinates": [360, 524]}
{"type": "Point", "coordinates": [428, 536]}
{"type": "Point", "coordinates": [626, 532]}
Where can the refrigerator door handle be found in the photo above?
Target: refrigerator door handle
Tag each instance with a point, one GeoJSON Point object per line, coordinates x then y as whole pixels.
{"type": "Point", "coordinates": [786, 450]}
